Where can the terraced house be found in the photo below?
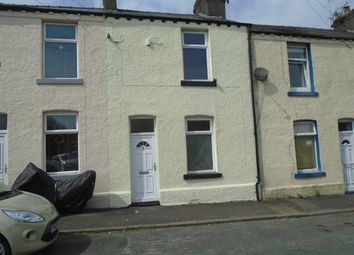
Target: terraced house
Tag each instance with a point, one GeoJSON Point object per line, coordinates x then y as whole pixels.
{"type": "Point", "coordinates": [161, 105]}
{"type": "Point", "coordinates": [158, 104]}
{"type": "Point", "coordinates": [304, 109]}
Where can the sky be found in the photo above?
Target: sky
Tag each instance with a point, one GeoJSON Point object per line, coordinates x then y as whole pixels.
{"type": "Point", "coordinates": [305, 13]}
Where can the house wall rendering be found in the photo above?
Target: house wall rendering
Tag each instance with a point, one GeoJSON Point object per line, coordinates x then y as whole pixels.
{"type": "Point", "coordinates": [283, 112]}
{"type": "Point", "coordinates": [145, 70]}
{"type": "Point", "coordinates": [27, 97]}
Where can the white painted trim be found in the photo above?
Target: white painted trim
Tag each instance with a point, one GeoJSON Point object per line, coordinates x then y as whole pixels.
{"type": "Point", "coordinates": [70, 131]}
{"type": "Point", "coordinates": [213, 142]}
{"type": "Point", "coordinates": [44, 40]}
{"type": "Point", "coordinates": [205, 46]}
{"type": "Point", "coordinates": [314, 134]}
{"type": "Point", "coordinates": [305, 63]}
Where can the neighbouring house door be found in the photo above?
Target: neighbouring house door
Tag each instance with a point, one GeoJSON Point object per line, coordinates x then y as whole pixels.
{"type": "Point", "coordinates": [3, 159]}
{"type": "Point", "coordinates": [346, 145]}
{"type": "Point", "coordinates": [143, 169]}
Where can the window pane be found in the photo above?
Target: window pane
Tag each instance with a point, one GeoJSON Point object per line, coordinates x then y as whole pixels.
{"type": "Point", "coordinates": [61, 122]}
{"type": "Point", "coordinates": [61, 152]}
{"type": "Point", "coordinates": [297, 75]}
{"type": "Point", "coordinates": [305, 152]}
{"type": "Point", "coordinates": [304, 127]}
{"type": "Point", "coordinates": [60, 60]}
{"type": "Point", "coordinates": [198, 125]}
{"type": "Point", "coordinates": [199, 152]}
{"type": "Point", "coordinates": [195, 64]}
{"type": "Point", "coordinates": [60, 31]}
{"type": "Point", "coordinates": [141, 125]}
{"type": "Point", "coordinates": [198, 39]}
{"type": "Point", "coordinates": [3, 122]}
{"type": "Point", "coordinates": [297, 53]}
{"type": "Point", "coordinates": [345, 126]}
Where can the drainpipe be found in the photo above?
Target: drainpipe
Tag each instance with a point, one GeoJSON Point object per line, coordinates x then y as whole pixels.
{"type": "Point", "coordinates": [259, 182]}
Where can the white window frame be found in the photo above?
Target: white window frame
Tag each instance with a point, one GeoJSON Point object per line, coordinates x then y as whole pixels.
{"type": "Point", "coordinates": [45, 39]}
{"type": "Point", "coordinates": [314, 134]}
{"type": "Point", "coordinates": [213, 142]}
{"type": "Point", "coordinates": [62, 131]}
{"type": "Point", "coordinates": [304, 62]}
{"type": "Point", "coordinates": [198, 46]}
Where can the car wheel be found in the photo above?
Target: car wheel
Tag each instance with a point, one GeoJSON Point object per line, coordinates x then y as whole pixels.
{"type": "Point", "coordinates": [4, 247]}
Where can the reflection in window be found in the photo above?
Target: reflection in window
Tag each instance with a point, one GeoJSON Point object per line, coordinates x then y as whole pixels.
{"type": "Point", "coordinates": [61, 141]}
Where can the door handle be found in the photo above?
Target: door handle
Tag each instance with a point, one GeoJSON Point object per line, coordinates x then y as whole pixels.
{"type": "Point", "coordinates": [5, 168]}
{"type": "Point", "coordinates": [155, 167]}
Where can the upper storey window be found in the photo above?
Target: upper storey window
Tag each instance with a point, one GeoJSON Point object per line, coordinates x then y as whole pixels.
{"type": "Point", "coordinates": [60, 50]}
{"type": "Point", "coordinates": [300, 70]}
{"type": "Point", "coordinates": [195, 55]}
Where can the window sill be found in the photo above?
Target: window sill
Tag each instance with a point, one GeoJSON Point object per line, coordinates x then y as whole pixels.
{"type": "Point", "coordinates": [60, 81]}
{"type": "Point", "coordinates": [300, 175]}
{"type": "Point", "coordinates": [202, 176]}
{"type": "Point", "coordinates": [198, 83]}
{"type": "Point", "coordinates": [303, 94]}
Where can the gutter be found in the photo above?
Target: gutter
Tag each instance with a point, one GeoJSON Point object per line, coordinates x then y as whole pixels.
{"type": "Point", "coordinates": [259, 182]}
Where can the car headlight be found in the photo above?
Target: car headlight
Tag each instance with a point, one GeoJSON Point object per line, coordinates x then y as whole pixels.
{"type": "Point", "coordinates": [23, 216]}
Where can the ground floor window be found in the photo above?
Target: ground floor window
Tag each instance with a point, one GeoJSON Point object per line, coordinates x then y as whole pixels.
{"type": "Point", "coordinates": [200, 147]}
{"type": "Point", "coordinates": [306, 146]}
{"type": "Point", "coordinates": [61, 142]}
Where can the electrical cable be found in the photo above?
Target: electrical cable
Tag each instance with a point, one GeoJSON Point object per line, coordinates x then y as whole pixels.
{"type": "Point", "coordinates": [317, 13]}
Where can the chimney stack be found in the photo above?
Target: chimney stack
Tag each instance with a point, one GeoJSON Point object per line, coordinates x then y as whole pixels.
{"type": "Point", "coordinates": [212, 8]}
{"type": "Point", "coordinates": [344, 22]}
{"type": "Point", "coordinates": [110, 4]}
{"type": "Point", "coordinates": [346, 10]}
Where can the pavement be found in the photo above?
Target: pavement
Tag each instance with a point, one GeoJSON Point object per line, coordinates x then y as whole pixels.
{"type": "Point", "coordinates": [148, 217]}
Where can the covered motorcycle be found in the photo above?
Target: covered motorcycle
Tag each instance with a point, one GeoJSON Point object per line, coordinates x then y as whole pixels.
{"type": "Point", "coordinates": [68, 196]}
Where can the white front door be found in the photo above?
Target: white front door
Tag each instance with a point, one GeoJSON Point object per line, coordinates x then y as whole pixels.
{"type": "Point", "coordinates": [346, 146]}
{"type": "Point", "coordinates": [143, 169]}
{"type": "Point", "coordinates": [3, 159]}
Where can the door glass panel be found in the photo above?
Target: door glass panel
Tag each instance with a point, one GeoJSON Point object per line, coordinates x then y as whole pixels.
{"type": "Point", "coordinates": [198, 125]}
{"type": "Point", "coordinates": [345, 126]}
{"type": "Point", "coordinates": [345, 142]}
{"type": "Point", "coordinates": [142, 125]}
{"type": "Point", "coordinates": [3, 122]}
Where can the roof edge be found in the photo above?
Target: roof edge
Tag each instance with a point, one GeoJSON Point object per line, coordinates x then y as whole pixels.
{"type": "Point", "coordinates": [129, 14]}
{"type": "Point", "coordinates": [301, 32]}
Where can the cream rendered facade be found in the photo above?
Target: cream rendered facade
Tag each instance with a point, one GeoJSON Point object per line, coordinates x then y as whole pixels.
{"type": "Point", "coordinates": [25, 102]}
{"type": "Point", "coordinates": [145, 69]}
{"type": "Point", "coordinates": [332, 61]}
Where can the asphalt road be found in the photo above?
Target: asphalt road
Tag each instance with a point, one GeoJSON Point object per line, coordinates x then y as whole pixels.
{"type": "Point", "coordinates": [330, 234]}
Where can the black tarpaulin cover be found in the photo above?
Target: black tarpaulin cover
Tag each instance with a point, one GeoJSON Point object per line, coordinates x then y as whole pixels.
{"type": "Point", "coordinates": [68, 196]}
